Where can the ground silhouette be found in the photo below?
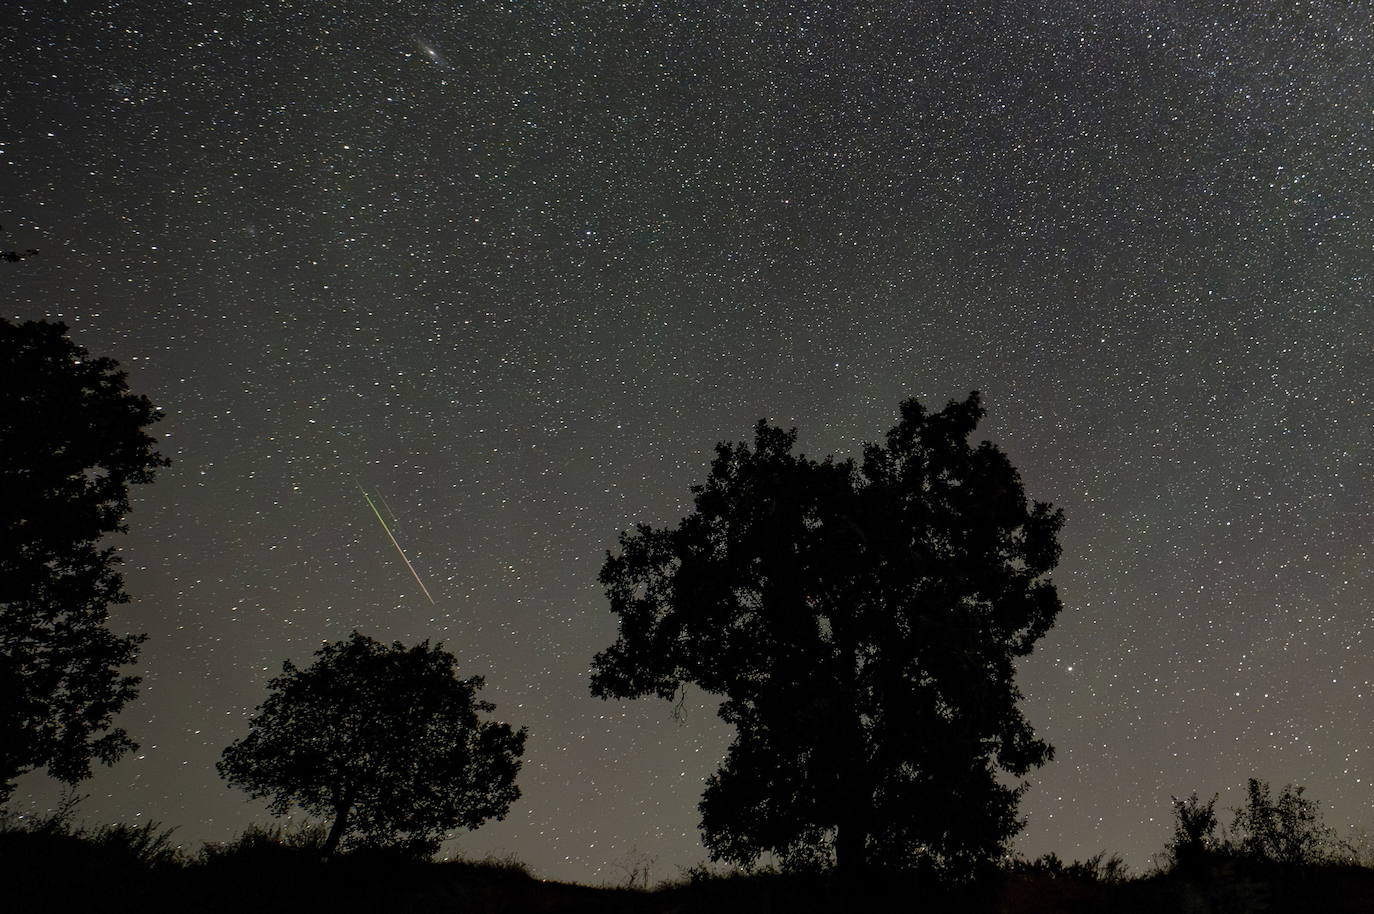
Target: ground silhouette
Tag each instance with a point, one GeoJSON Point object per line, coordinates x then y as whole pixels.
{"type": "Point", "coordinates": [126, 869]}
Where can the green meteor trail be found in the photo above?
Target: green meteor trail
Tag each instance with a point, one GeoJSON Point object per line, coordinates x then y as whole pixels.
{"type": "Point", "coordinates": [392, 537]}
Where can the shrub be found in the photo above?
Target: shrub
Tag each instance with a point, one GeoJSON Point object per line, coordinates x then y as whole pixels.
{"type": "Point", "coordinates": [45, 838]}
{"type": "Point", "coordinates": [498, 866]}
{"type": "Point", "coordinates": [1098, 868]}
{"type": "Point", "coordinates": [1195, 832]}
{"type": "Point", "coordinates": [1287, 830]}
{"type": "Point", "coordinates": [260, 844]}
{"type": "Point", "coordinates": [148, 845]}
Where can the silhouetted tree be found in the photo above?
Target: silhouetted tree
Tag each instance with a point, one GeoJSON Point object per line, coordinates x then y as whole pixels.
{"type": "Point", "coordinates": [72, 440]}
{"type": "Point", "coordinates": [1287, 830]}
{"type": "Point", "coordinates": [862, 625]}
{"type": "Point", "coordinates": [385, 741]}
{"type": "Point", "coordinates": [1195, 831]}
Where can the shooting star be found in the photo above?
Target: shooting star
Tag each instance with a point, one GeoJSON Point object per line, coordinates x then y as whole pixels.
{"type": "Point", "coordinates": [393, 539]}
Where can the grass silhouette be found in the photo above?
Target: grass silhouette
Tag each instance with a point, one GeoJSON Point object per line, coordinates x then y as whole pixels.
{"type": "Point", "coordinates": [50, 864]}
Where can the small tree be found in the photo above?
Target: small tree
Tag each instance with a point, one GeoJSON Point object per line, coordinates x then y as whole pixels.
{"type": "Point", "coordinates": [385, 741]}
{"type": "Point", "coordinates": [1287, 830]}
{"type": "Point", "coordinates": [863, 625]}
{"type": "Point", "coordinates": [72, 441]}
{"type": "Point", "coordinates": [1195, 831]}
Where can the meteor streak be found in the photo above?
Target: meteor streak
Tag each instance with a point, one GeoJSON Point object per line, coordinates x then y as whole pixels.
{"type": "Point", "coordinates": [393, 540]}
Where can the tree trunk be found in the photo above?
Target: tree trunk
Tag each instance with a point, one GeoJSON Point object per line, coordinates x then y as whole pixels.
{"type": "Point", "coordinates": [851, 829]}
{"type": "Point", "coordinates": [336, 832]}
{"type": "Point", "coordinates": [850, 840]}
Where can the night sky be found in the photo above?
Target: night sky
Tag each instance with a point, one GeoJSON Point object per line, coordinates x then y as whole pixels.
{"type": "Point", "coordinates": [518, 266]}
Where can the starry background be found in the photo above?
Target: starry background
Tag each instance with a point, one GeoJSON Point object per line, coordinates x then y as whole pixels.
{"type": "Point", "coordinates": [518, 266]}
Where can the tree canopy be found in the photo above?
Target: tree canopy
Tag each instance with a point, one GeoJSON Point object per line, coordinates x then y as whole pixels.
{"type": "Point", "coordinates": [861, 624]}
{"type": "Point", "coordinates": [72, 440]}
{"type": "Point", "coordinates": [385, 741]}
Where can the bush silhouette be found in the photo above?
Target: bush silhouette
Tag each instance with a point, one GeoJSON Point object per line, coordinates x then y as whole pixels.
{"type": "Point", "coordinates": [1285, 830]}
{"type": "Point", "coordinates": [260, 845]}
{"type": "Point", "coordinates": [1108, 869]}
{"type": "Point", "coordinates": [1195, 832]}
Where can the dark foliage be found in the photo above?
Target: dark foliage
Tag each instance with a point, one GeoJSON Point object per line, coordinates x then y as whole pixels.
{"type": "Point", "coordinates": [72, 440]}
{"type": "Point", "coordinates": [49, 865]}
{"type": "Point", "coordinates": [266, 846]}
{"type": "Point", "coordinates": [862, 624]}
{"type": "Point", "coordinates": [1100, 867]}
{"type": "Point", "coordinates": [1287, 830]}
{"type": "Point", "coordinates": [385, 741]}
{"type": "Point", "coordinates": [1284, 832]}
{"type": "Point", "coordinates": [1195, 832]}
{"type": "Point", "coordinates": [131, 847]}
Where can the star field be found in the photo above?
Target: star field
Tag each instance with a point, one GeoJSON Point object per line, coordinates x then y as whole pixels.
{"type": "Point", "coordinates": [518, 266]}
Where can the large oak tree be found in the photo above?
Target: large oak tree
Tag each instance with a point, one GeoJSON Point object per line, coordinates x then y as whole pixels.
{"type": "Point", "coordinates": [862, 625]}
